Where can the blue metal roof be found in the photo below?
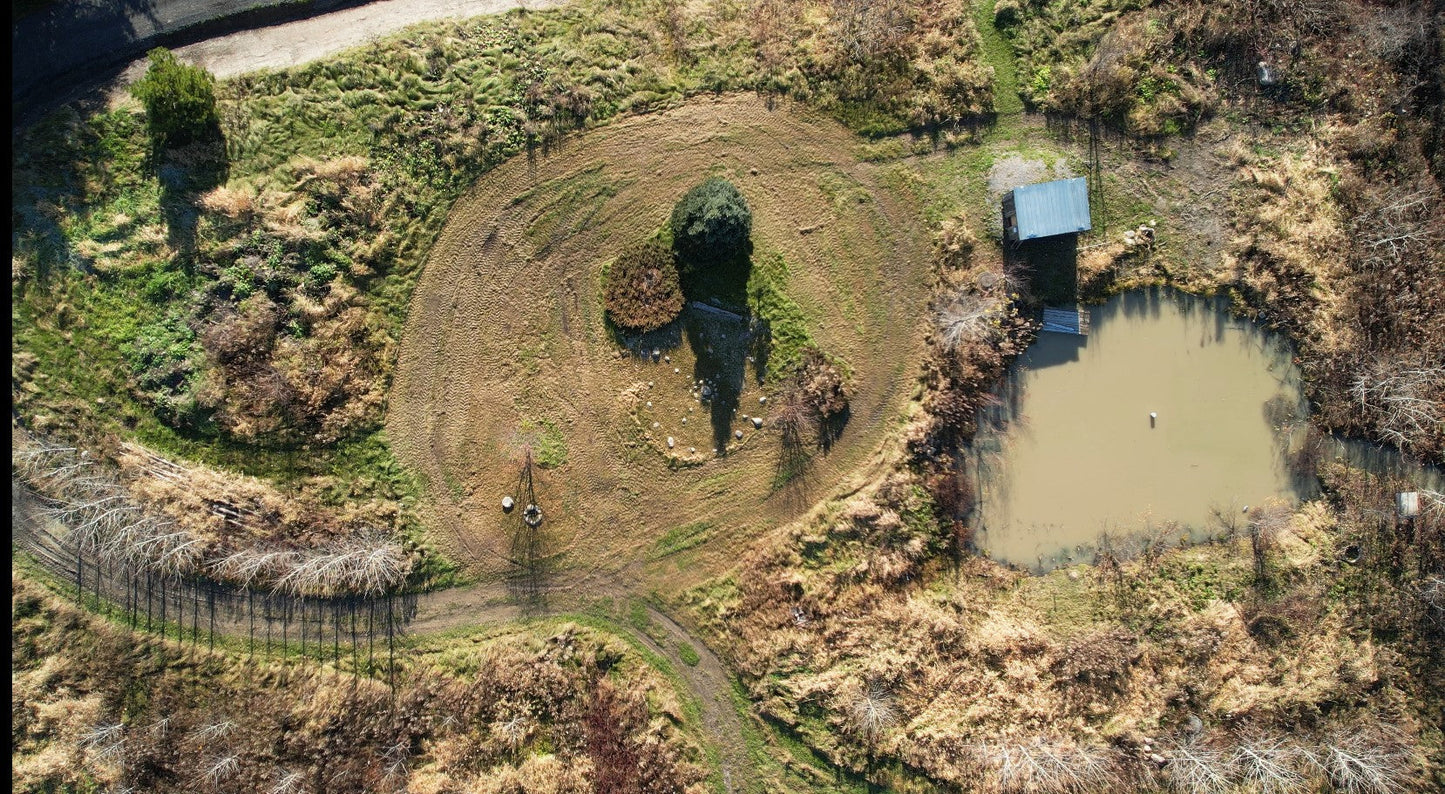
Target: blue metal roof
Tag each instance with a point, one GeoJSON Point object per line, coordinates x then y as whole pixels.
{"type": "Point", "coordinates": [1050, 208]}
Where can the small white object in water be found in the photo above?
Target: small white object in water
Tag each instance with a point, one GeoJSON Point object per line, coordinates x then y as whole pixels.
{"type": "Point", "coordinates": [674, 370]}
{"type": "Point", "coordinates": [507, 503]}
{"type": "Point", "coordinates": [1245, 510]}
{"type": "Point", "coordinates": [670, 442]}
{"type": "Point", "coordinates": [1153, 415]}
{"type": "Point", "coordinates": [684, 420]}
{"type": "Point", "coordinates": [762, 400]}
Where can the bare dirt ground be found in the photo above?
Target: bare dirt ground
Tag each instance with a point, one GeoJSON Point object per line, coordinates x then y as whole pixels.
{"type": "Point", "coordinates": [506, 335]}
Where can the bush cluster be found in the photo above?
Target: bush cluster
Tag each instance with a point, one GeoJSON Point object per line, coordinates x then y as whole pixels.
{"type": "Point", "coordinates": [642, 291]}
{"type": "Point", "coordinates": [180, 100]}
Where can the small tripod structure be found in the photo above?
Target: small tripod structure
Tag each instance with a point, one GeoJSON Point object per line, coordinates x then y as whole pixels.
{"type": "Point", "coordinates": [531, 514]}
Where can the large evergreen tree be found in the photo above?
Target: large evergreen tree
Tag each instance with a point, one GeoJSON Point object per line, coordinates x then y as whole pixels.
{"type": "Point", "coordinates": [711, 223]}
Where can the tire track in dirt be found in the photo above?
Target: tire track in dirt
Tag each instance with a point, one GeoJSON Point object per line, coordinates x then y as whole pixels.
{"type": "Point", "coordinates": [496, 341]}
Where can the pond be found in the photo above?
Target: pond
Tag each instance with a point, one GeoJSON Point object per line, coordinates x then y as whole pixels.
{"type": "Point", "coordinates": [1168, 410]}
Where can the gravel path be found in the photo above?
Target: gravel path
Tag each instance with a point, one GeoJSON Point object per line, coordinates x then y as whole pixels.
{"type": "Point", "coordinates": [89, 50]}
{"type": "Point", "coordinates": [294, 43]}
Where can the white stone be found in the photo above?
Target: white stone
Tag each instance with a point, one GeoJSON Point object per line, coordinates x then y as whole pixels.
{"type": "Point", "coordinates": [670, 442]}
{"type": "Point", "coordinates": [762, 400]}
{"type": "Point", "coordinates": [757, 422]}
{"type": "Point", "coordinates": [684, 420]}
{"type": "Point", "coordinates": [656, 425]}
{"type": "Point", "coordinates": [675, 370]}
{"type": "Point", "coordinates": [738, 434]}
{"type": "Point", "coordinates": [649, 403]}
{"type": "Point", "coordinates": [507, 503]}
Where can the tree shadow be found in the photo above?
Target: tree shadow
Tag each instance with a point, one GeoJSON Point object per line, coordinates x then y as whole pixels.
{"type": "Point", "coordinates": [723, 284]}
{"type": "Point", "coordinates": [185, 172]}
{"type": "Point", "coordinates": [830, 428]}
{"type": "Point", "coordinates": [46, 170]}
{"type": "Point", "coordinates": [528, 554]}
{"type": "Point", "coordinates": [720, 342]}
{"type": "Point", "coordinates": [647, 345]}
{"type": "Point", "coordinates": [761, 349]}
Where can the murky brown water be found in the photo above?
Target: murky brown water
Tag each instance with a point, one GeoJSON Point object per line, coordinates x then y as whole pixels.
{"type": "Point", "coordinates": [1077, 455]}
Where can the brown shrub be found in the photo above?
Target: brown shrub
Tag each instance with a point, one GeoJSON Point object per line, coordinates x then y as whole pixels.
{"type": "Point", "coordinates": [643, 292]}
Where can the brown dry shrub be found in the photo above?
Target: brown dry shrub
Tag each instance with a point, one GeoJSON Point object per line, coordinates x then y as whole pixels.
{"type": "Point", "coordinates": [643, 292]}
{"type": "Point", "coordinates": [226, 510]}
{"type": "Point", "coordinates": [1130, 81]}
{"type": "Point", "coordinates": [262, 383]}
{"type": "Point", "coordinates": [888, 63]}
{"type": "Point", "coordinates": [235, 203]}
{"type": "Point", "coordinates": [1098, 660]}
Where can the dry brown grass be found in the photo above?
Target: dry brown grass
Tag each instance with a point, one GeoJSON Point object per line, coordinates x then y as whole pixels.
{"type": "Point", "coordinates": [507, 332]}
{"type": "Point", "coordinates": [991, 681]}
{"type": "Point", "coordinates": [94, 704]}
{"type": "Point", "coordinates": [1353, 270]}
{"type": "Point", "coordinates": [151, 514]}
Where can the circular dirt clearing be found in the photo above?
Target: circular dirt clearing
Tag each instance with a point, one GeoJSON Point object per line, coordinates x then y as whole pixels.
{"type": "Point", "coordinates": [507, 353]}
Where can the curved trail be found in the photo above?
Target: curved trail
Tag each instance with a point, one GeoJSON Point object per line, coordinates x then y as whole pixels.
{"type": "Point", "coordinates": [506, 343]}
{"type": "Point", "coordinates": [708, 680]}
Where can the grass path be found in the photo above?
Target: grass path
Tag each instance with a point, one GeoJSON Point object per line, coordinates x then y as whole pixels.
{"type": "Point", "coordinates": [999, 54]}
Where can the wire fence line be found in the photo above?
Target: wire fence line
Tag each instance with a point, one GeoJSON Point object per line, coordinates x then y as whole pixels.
{"type": "Point", "coordinates": [138, 569]}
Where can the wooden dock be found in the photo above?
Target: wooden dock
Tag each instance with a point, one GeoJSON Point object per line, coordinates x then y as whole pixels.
{"type": "Point", "coordinates": [1067, 321]}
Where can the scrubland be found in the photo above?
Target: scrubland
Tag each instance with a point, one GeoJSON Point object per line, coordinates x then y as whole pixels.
{"type": "Point", "coordinates": [220, 324]}
{"type": "Point", "coordinates": [552, 708]}
{"type": "Point", "coordinates": [1257, 661]}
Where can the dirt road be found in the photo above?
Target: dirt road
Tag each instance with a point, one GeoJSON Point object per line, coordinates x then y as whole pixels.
{"type": "Point", "coordinates": [305, 40]}
{"type": "Point", "coordinates": [83, 49]}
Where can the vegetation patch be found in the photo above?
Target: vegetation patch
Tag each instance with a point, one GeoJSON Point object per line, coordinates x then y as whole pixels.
{"type": "Point", "coordinates": [559, 706]}
{"type": "Point", "coordinates": [642, 292]}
